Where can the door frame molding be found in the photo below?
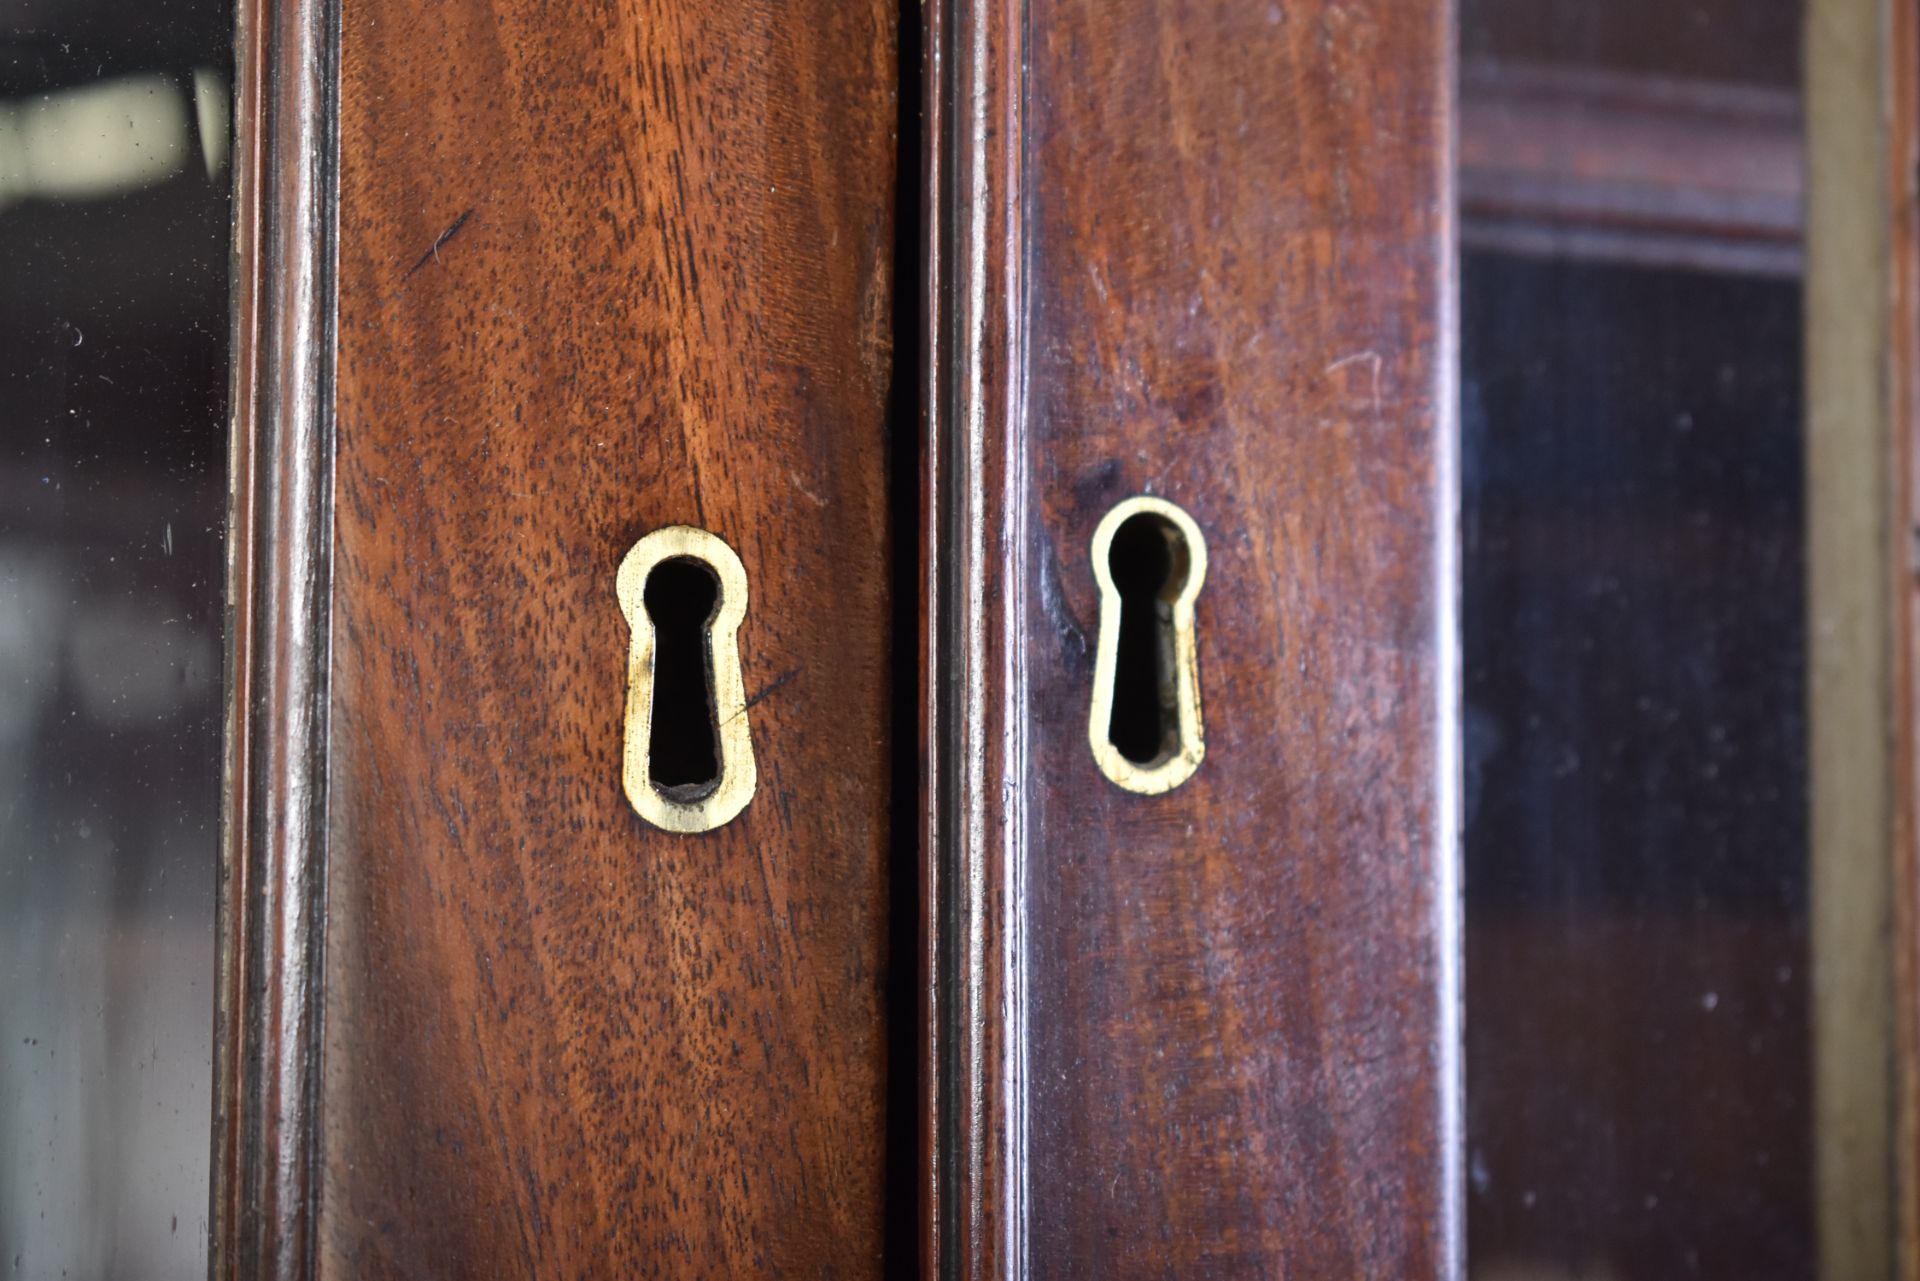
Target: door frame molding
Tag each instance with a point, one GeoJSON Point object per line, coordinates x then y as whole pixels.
{"type": "Point", "coordinates": [280, 551]}
{"type": "Point", "coordinates": [975, 531]}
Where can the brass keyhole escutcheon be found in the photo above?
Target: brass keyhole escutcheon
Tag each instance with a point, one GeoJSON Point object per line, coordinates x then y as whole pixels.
{"type": "Point", "coordinates": [687, 758]}
{"type": "Point", "coordinates": [1145, 727]}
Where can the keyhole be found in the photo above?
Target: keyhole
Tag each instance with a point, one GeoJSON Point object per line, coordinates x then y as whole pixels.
{"type": "Point", "coordinates": [683, 756]}
{"type": "Point", "coordinates": [1148, 564]}
{"type": "Point", "coordinates": [1144, 725]}
{"type": "Point", "coordinates": [686, 751]}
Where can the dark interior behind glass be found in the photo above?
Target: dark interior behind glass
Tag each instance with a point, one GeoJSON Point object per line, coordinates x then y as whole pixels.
{"type": "Point", "coordinates": [1634, 659]}
{"type": "Point", "coordinates": [114, 128]}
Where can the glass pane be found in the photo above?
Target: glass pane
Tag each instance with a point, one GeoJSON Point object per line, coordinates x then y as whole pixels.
{"type": "Point", "coordinates": [113, 359]}
{"type": "Point", "coordinates": [1641, 1026]}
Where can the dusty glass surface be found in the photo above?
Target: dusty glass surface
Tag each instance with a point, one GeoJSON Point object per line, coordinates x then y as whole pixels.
{"type": "Point", "coordinates": [1639, 1044]}
{"type": "Point", "coordinates": [114, 121]}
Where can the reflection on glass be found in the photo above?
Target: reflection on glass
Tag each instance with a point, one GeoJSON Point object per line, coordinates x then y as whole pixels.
{"type": "Point", "coordinates": [113, 337]}
{"type": "Point", "coordinates": [1639, 1034]}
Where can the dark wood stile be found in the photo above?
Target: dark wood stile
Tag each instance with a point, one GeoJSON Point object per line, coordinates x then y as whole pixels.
{"type": "Point", "coordinates": [594, 273]}
{"type": "Point", "coordinates": [280, 550]}
{"type": "Point", "coordinates": [1202, 252]}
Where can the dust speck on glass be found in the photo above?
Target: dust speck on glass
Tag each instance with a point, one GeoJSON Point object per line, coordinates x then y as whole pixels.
{"type": "Point", "coordinates": [114, 197]}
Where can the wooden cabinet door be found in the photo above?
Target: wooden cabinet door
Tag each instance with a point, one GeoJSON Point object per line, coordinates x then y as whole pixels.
{"type": "Point", "coordinates": [899, 305]}
{"type": "Point", "coordinates": [1197, 252]}
{"type": "Point", "coordinates": [843, 646]}
{"type": "Point", "coordinates": [525, 284]}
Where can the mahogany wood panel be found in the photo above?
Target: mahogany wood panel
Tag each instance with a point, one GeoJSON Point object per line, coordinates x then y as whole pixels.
{"type": "Point", "coordinates": [600, 269]}
{"type": "Point", "coordinates": [1200, 251]}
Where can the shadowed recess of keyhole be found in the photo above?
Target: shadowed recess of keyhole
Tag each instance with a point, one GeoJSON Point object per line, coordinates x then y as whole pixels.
{"type": "Point", "coordinates": [1148, 561]}
{"type": "Point", "coordinates": [683, 755]}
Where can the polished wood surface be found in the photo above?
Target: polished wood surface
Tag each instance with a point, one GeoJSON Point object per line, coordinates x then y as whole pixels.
{"type": "Point", "coordinates": [1200, 252]}
{"type": "Point", "coordinates": [636, 267]}
{"type": "Point", "coordinates": [273, 839]}
{"type": "Point", "coordinates": [602, 270]}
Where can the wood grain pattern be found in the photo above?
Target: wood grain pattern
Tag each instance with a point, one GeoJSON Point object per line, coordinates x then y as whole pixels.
{"type": "Point", "coordinates": [1203, 252]}
{"type": "Point", "coordinates": [605, 269]}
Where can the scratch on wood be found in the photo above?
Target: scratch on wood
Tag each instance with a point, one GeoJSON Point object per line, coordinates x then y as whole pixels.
{"type": "Point", "coordinates": [433, 251]}
{"type": "Point", "coordinates": [776, 683]}
{"type": "Point", "coordinates": [1369, 360]}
